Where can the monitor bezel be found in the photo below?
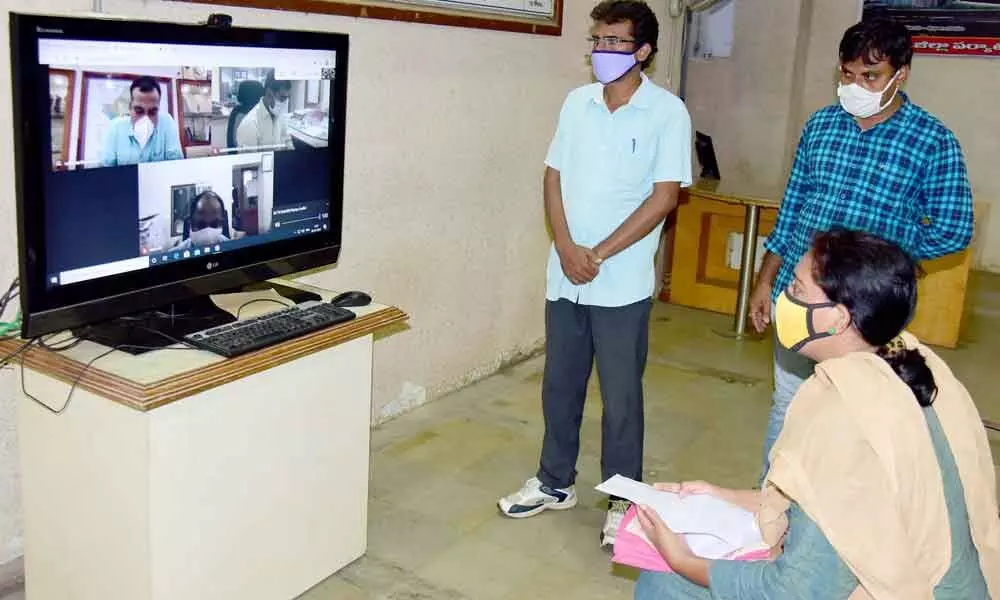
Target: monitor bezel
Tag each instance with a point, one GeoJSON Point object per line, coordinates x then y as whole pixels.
{"type": "Point", "coordinates": [49, 309]}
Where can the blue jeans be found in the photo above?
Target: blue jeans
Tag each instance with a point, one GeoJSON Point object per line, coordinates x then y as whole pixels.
{"type": "Point", "coordinates": [668, 586]}
{"type": "Point", "coordinates": [790, 370]}
{"type": "Point", "coordinates": [809, 567]}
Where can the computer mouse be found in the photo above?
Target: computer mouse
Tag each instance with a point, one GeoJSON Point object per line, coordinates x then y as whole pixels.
{"type": "Point", "coordinates": [352, 298]}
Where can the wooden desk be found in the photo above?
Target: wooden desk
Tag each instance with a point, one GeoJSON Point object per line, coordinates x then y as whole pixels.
{"type": "Point", "coordinates": [180, 474]}
{"type": "Point", "coordinates": [752, 201]}
{"type": "Point", "coordinates": [701, 278]}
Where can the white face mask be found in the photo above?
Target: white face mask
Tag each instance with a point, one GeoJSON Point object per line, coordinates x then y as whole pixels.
{"type": "Point", "coordinates": [143, 130]}
{"type": "Point", "coordinates": [207, 236]}
{"type": "Point", "coordinates": [863, 103]}
{"type": "Point", "coordinates": [280, 108]}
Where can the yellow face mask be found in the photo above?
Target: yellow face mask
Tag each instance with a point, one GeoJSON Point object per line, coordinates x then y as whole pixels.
{"type": "Point", "coordinates": [793, 321]}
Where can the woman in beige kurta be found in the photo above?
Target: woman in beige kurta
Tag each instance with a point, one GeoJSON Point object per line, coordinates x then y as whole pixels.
{"type": "Point", "coordinates": [881, 484]}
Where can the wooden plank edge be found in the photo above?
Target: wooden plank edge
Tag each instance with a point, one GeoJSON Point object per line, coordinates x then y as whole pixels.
{"type": "Point", "coordinates": [736, 199]}
{"type": "Point", "coordinates": [145, 397]}
{"type": "Point", "coordinates": [193, 382]}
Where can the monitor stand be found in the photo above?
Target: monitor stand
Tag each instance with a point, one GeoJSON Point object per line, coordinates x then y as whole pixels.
{"type": "Point", "coordinates": [167, 325]}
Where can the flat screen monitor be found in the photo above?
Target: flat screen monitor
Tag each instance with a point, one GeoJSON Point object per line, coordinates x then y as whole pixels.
{"type": "Point", "coordinates": [158, 162]}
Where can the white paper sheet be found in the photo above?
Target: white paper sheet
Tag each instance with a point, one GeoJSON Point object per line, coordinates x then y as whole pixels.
{"type": "Point", "coordinates": [698, 516]}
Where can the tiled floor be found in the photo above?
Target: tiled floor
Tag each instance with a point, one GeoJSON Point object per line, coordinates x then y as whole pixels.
{"type": "Point", "coordinates": [434, 530]}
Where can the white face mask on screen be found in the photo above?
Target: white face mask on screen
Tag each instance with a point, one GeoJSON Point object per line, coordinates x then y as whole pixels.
{"type": "Point", "coordinates": [280, 108]}
{"type": "Point", "coordinates": [143, 130]}
{"type": "Point", "coordinates": [207, 236]}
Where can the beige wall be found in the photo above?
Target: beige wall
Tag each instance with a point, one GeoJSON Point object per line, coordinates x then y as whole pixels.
{"type": "Point", "coordinates": [963, 93]}
{"type": "Point", "coordinates": [783, 68]}
{"type": "Point", "coordinates": [447, 129]}
{"type": "Point", "coordinates": [743, 101]}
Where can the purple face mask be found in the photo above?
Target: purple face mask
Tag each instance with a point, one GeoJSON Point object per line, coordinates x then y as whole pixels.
{"type": "Point", "coordinates": [610, 66]}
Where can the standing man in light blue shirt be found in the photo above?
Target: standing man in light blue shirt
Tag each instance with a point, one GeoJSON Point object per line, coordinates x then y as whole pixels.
{"type": "Point", "coordinates": [143, 135]}
{"type": "Point", "coordinates": [621, 152]}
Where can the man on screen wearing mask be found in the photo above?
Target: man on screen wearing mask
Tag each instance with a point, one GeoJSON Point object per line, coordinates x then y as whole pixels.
{"type": "Point", "coordinates": [207, 222]}
{"type": "Point", "coordinates": [145, 134]}
{"type": "Point", "coordinates": [876, 163]}
{"type": "Point", "coordinates": [266, 125]}
{"type": "Point", "coordinates": [621, 152]}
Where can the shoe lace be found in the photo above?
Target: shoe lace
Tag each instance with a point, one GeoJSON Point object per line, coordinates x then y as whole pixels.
{"type": "Point", "coordinates": [530, 489]}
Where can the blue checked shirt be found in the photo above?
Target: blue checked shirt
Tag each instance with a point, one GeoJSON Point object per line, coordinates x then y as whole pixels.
{"type": "Point", "coordinates": [903, 180]}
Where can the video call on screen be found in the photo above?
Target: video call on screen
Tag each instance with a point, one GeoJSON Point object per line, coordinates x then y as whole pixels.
{"type": "Point", "coordinates": [158, 157]}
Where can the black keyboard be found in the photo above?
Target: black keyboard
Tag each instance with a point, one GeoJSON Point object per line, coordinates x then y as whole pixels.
{"type": "Point", "coordinates": [269, 329]}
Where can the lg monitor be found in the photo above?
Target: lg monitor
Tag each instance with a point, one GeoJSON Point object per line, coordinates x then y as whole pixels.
{"type": "Point", "coordinates": [157, 163]}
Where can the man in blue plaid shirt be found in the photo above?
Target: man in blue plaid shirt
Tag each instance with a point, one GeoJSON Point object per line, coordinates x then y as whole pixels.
{"type": "Point", "coordinates": [877, 163]}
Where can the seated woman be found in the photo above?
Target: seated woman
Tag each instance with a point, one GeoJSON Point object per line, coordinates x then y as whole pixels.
{"type": "Point", "coordinates": [881, 485]}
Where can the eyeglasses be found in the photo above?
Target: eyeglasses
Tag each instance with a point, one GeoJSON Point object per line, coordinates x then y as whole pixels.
{"type": "Point", "coordinates": [608, 41]}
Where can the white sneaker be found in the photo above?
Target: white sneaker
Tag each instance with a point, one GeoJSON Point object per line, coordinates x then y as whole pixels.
{"type": "Point", "coordinates": [534, 497]}
{"type": "Point", "coordinates": [613, 521]}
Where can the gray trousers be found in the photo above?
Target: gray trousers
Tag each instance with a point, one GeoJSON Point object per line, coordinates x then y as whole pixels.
{"type": "Point", "coordinates": [619, 339]}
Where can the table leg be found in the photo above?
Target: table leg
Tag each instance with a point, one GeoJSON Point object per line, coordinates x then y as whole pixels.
{"type": "Point", "coordinates": [748, 260]}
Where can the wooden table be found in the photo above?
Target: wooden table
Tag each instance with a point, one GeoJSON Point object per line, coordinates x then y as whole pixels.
{"type": "Point", "coordinates": [181, 474]}
{"type": "Point", "coordinates": [710, 211]}
{"type": "Point", "coordinates": [752, 200]}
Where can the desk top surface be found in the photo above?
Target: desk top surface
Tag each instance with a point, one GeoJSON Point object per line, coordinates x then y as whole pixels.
{"type": "Point", "coordinates": [314, 136]}
{"type": "Point", "coordinates": [739, 192]}
{"type": "Point", "coordinates": [159, 377]}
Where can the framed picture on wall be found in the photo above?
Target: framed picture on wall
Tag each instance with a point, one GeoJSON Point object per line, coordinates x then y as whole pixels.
{"type": "Point", "coordinates": [62, 83]}
{"type": "Point", "coordinates": [104, 98]}
{"type": "Point", "coordinates": [543, 17]}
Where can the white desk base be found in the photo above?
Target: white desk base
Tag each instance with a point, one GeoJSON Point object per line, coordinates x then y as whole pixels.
{"type": "Point", "coordinates": [253, 490]}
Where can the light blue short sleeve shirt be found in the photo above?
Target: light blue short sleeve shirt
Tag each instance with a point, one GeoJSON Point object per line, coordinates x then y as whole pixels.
{"type": "Point", "coordinates": [121, 147]}
{"type": "Point", "coordinates": [608, 163]}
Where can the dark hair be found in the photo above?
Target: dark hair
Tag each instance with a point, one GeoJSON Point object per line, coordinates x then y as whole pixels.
{"type": "Point", "coordinates": [249, 92]}
{"type": "Point", "coordinates": [193, 207]}
{"type": "Point", "coordinates": [145, 84]}
{"type": "Point", "coordinates": [877, 282]}
{"type": "Point", "coordinates": [877, 39]}
{"type": "Point", "coordinates": [645, 27]}
{"type": "Point", "coordinates": [276, 85]}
